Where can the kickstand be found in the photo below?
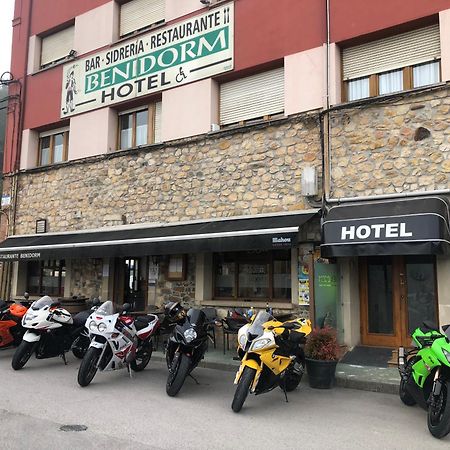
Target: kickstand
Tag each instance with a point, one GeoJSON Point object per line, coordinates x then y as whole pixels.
{"type": "Point", "coordinates": [63, 356]}
{"type": "Point", "coordinates": [196, 382]}
{"type": "Point", "coordinates": [285, 394]}
{"type": "Point", "coordinates": [130, 372]}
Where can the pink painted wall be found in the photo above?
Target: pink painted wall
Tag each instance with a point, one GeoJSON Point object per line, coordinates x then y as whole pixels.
{"type": "Point", "coordinates": [28, 155]}
{"type": "Point", "coordinates": [96, 28]}
{"type": "Point", "coordinates": [444, 29]}
{"type": "Point", "coordinates": [188, 110]}
{"type": "Point", "coordinates": [304, 81]}
{"type": "Point", "coordinates": [177, 8]}
{"type": "Point", "coordinates": [92, 133]}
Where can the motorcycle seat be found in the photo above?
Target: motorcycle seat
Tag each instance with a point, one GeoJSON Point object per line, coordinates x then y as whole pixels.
{"type": "Point", "coordinates": [80, 318]}
{"type": "Point", "coordinates": [428, 326]}
{"type": "Point", "coordinates": [143, 321]}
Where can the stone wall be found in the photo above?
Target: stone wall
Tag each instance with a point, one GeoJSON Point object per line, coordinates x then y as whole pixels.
{"type": "Point", "coordinates": [247, 171]}
{"type": "Point", "coordinates": [393, 147]}
{"type": "Point", "coordinates": [86, 277]}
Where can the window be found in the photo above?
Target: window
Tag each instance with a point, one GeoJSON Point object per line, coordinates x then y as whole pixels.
{"type": "Point", "coordinates": [46, 278]}
{"type": "Point", "coordinates": [176, 270]}
{"type": "Point", "coordinates": [57, 46]}
{"type": "Point", "coordinates": [137, 15]}
{"type": "Point", "coordinates": [139, 127]}
{"type": "Point", "coordinates": [405, 61]}
{"type": "Point", "coordinates": [53, 147]}
{"type": "Point", "coordinates": [252, 97]}
{"type": "Point", "coordinates": [253, 275]}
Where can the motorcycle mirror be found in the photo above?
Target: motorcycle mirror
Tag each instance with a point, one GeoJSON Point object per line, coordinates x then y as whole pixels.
{"type": "Point", "coordinates": [218, 323]}
{"type": "Point", "coordinates": [96, 302]}
{"type": "Point", "coordinates": [126, 307]}
{"type": "Point", "coordinates": [26, 295]}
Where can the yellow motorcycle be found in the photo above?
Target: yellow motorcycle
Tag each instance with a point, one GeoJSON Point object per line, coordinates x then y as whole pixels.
{"type": "Point", "coordinates": [271, 355]}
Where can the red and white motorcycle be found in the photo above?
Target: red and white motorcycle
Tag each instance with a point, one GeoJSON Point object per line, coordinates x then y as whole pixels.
{"type": "Point", "coordinates": [117, 341]}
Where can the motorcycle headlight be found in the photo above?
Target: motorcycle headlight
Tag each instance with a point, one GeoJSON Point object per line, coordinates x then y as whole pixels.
{"type": "Point", "coordinates": [190, 335]}
{"type": "Point", "coordinates": [446, 354]}
{"type": "Point", "coordinates": [242, 340]}
{"type": "Point", "coordinates": [260, 343]}
{"type": "Point", "coordinates": [92, 325]}
{"type": "Point", "coordinates": [102, 327]}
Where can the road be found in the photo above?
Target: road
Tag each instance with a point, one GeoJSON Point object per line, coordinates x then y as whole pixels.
{"type": "Point", "coordinates": [136, 413]}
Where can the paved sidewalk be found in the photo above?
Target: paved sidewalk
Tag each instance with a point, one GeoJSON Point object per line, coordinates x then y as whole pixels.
{"type": "Point", "coordinates": [374, 379]}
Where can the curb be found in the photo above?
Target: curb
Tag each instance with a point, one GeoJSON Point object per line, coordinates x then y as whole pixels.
{"type": "Point", "coordinates": [341, 380]}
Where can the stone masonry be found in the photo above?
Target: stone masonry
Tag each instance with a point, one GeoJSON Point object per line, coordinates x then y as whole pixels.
{"type": "Point", "coordinates": [252, 170]}
{"type": "Point", "coordinates": [395, 147]}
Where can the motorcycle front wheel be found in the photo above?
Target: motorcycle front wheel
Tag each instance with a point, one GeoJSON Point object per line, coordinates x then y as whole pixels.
{"type": "Point", "coordinates": [143, 356]}
{"type": "Point", "coordinates": [80, 346]}
{"type": "Point", "coordinates": [439, 416]}
{"type": "Point", "coordinates": [178, 372]}
{"type": "Point", "coordinates": [243, 388]}
{"type": "Point", "coordinates": [88, 367]}
{"type": "Point", "coordinates": [22, 354]}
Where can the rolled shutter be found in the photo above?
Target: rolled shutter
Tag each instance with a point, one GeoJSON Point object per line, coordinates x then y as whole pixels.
{"type": "Point", "coordinates": [139, 14]}
{"type": "Point", "coordinates": [252, 97]}
{"type": "Point", "coordinates": [56, 46]}
{"type": "Point", "coordinates": [395, 52]}
{"type": "Point", "coordinates": [158, 110]}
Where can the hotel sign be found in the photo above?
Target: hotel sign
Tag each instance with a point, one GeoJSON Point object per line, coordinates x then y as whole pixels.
{"type": "Point", "coordinates": [191, 50]}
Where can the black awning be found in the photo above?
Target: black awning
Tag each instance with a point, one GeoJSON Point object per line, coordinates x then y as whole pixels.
{"type": "Point", "coordinates": [410, 226]}
{"type": "Point", "coordinates": [243, 233]}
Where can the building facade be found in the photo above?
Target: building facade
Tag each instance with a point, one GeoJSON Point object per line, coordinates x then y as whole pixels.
{"type": "Point", "coordinates": [167, 149]}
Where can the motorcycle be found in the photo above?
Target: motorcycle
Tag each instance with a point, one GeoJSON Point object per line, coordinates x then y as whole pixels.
{"type": "Point", "coordinates": [117, 341]}
{"type": "Point", "coordinates": [11, 330]}
{"type": "Point", "coordinates": [271, 355]}
{"type": "Point", "coordinates": [51, 331]}
{"type": "Point", "coordinates": [425, 376]}
{"type": "Point", "coordinates": [187, 345]}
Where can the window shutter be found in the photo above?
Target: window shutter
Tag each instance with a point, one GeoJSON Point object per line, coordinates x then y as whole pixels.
{"type": "Point", "coordinates": [56, 46]}
{"type": "Point", "coordinates": [392, 53]}
{"type": "Point", "coordinates": [139, 14]}
{"type": "Point", "coordinates": [252, 97]}
{"type": "Point", "coordinates": [158, 110]}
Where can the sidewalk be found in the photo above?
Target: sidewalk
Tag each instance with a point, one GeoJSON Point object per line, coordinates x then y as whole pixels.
{"type": "Point", "coordinates": [365, 378]}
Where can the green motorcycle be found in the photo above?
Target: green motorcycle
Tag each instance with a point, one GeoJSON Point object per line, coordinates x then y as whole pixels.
{"type": "Point", "coordinates": [425, 376]}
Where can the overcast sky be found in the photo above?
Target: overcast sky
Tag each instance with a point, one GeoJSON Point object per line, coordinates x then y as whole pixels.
{"type": "Point", "coordinates": [6, 16]}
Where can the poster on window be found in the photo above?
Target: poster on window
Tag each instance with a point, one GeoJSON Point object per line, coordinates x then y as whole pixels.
{"type": "Point", "coordinates": [197, 48]}
{"type": "Point", "coordinates": [303, 285]}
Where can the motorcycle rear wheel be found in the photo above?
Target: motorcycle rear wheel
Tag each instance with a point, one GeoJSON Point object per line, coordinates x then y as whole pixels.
{"type": "Point", "coordinates": [22, 354]}
{"type": "Point", "coordinates": [80, 346]}
{"type": "Point", "coordinates": [439, 418]}
{"type": "Point", "coordinates": [143, 356]}
{"type": "Point", "coordinates": [88, 367]}
{"type": "Point", "coordinates": [179, 370]}
{"type": "Point", "coordinates": [292, 379]}
{"type": "Point", "coordinates": [243, 388]}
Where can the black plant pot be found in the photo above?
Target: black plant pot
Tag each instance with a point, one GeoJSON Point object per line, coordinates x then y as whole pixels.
{"type": "Point", "coordinates": [321, 374]}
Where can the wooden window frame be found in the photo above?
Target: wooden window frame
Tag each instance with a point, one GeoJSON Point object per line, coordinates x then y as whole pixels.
{"type": "Point", "coordinates": [238, 258]}
{"type": "Point", "coordinates": [408, 81]}
{"type": "Point", "coordinates": [182, 274]}
{"type": "Point", "coordinates": [65, 134]}
{"type": "Point", "coordinates": [151, 113]}
{"type": "Point", "coordinates": [57, 264]}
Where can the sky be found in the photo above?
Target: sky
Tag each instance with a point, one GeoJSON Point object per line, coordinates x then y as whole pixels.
{"type": "Point", "coordinates": [6, 16]}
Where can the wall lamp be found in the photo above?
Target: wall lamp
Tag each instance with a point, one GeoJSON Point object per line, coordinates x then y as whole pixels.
{"type": "Point", "coordinates": [72, 53]}
{"type": "Point", "coordinates": [205, 2]}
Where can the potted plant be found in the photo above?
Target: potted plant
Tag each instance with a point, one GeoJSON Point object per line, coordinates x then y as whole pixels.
{"type": "Point", "coordinates": [322, 355]}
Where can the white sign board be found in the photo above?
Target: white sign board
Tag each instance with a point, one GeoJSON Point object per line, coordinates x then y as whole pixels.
{"type": "Point", "coordinates": [191, 50]}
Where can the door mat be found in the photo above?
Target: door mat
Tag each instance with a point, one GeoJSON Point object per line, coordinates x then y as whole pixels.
{"type": "Point", "coordinates": [368, 356]}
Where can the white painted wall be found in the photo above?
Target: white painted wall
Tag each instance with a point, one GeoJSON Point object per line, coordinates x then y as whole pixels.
{"type": "Point", "coordinates": [29, 151]}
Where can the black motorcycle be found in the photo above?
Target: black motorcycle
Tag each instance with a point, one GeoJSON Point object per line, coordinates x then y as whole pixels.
{"type": "Point", "coordinates": [51, 331]}
{"type": "Point", "coordinates": [187, 344]}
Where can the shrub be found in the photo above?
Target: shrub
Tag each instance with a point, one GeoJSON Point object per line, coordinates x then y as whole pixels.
{"type": "Point", "coordinates": [322, 344]}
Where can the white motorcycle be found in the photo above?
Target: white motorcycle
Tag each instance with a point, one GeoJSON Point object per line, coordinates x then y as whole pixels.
{"type": "Point", "coordinates": [117, 341]}
{"type": "Point", "coordinates": [51, 331]}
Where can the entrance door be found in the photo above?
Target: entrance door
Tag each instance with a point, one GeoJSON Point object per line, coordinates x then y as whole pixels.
{"type": "Point", "coordinates": [397, 294]}
{"type": "Point", "coordinates": [130, 283]}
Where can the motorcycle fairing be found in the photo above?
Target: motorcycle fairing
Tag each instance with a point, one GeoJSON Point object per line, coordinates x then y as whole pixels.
{"type": "Point", "coordinates": [31, 336]}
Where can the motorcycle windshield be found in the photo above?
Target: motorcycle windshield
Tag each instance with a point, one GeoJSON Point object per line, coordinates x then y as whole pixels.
{"type": "Point", "coordinates": [256, 328]}
{"type": "Point", "coordinates": [42, 302]}
{"type": "Point", "coordinates": [105, 309]}
{"type": "Point", "coordinates": [196, 317]}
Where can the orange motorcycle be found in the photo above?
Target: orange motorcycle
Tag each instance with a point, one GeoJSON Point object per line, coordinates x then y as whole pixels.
{"type": "Point", "coordinates": [11, 330]}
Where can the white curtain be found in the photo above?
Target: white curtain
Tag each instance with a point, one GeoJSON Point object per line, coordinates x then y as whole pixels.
{"type": "Point", "coordinates": [391, 82]}
{"type": "Point", "coordinates": [358, 89]}
{"type": "Point", "coordinates": [426, 74]}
